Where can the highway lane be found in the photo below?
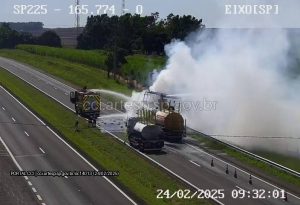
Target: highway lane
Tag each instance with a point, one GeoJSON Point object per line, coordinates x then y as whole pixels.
{"type": "Point", "coordinates": [35, 147]}
{"type": "Point", "coordinates": [13, 190]}
{"type": "Point", "coordinates": [184, 160]}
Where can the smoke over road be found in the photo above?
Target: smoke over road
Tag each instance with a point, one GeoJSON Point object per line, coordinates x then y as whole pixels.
{"type": "Point", "coordinates": [245, 72]}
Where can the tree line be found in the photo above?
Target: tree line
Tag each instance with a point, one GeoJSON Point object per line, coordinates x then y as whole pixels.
{"type": "Point", "coordinates": [118, 35]}
{"type": "Point", "coordinates": [9, 38]}
{"type": "Point", "coordinates": [26, 26]}
{"type": "Point", "coordinates": [129, 34]}
{"type": "Point", "coordinates": [135, 33]}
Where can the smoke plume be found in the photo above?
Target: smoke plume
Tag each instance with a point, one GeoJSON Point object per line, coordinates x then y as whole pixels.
{"type": "Point", "coordinates": [242, 71]}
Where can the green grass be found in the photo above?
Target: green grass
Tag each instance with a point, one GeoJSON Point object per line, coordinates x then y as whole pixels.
{"type": "Point", "coordinates": [288, 161]}
{"type": "Point", "coordinates": [91, 58]}
{"type": "Point", "coordinates": [75, 73]}
{"type": "Point", "coordinates": [268, 169]}
{"type": "Point", "coordinates": [138, 66]}
{"type": "Point", "coordinates": [136, 174]}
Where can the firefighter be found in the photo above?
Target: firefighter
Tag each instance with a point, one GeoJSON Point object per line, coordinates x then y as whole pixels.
{"type": "Point", "coordinates": [76, 125]}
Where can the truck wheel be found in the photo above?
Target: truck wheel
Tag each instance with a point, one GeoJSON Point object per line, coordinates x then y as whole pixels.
{"type": "Point", "coordinates": [141, 148]}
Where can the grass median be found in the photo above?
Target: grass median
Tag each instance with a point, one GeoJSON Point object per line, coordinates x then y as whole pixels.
{"type": "Point", "coordinates": [211, 144]}
{"type": "Point", "coordinates": [137, 175]}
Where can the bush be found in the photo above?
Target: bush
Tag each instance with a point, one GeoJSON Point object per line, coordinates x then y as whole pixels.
{"type": "Point", "coordinates": [49, 38]}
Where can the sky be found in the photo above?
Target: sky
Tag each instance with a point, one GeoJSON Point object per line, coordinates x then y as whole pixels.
{"type": "Point", "coordinates": [213, 12]}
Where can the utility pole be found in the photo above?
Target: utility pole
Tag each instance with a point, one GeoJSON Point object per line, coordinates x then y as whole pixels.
{"type": "Point", "coordinates": [123, 7]}
{"type": "Point", "coordinates": [77, 16]}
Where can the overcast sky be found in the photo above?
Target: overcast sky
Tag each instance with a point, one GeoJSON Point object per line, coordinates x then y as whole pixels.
{"type": "Point", "coordinates": [211, 11]}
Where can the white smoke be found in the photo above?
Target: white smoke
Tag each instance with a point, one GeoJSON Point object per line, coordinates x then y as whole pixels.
{"type": "Point", "coordinates": [243, 71]}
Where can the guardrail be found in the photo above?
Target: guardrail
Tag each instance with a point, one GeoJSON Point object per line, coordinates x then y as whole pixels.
{"type": "Point", "coordinates": [279, 166]}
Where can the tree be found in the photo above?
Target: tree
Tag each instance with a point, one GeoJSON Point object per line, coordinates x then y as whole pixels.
{"type": "Point", "coordinates": [9, 38]}
{"type": "Point", "coordinates": [49, 38]}
{"type": "Point", "coordinates": [114, 60]}
{"type": "Point", "coordinates": [179, 27]}
{"type": "Point", "coordinates": [109, 62]}
{"type": "Point", "coordinates": [137, 33]}
{"type": "Point", "coordinates": [26, 27]}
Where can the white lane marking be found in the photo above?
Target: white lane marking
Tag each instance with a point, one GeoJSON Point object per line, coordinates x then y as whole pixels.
{"type": "Point", "coordinates": [26, 178]}
{"type": "Point", "coordinates": [28, 155]}
{"type": "Point", "coordinates": [17, 164]}
{"type": "Point", "coordinates": [42, 150]}
{"type": "Point", "coordinates": [239, 187]}
{"type": "Point", "coordinates": [33, 189]}
{"type": "Point", "coordinates": [181, 178]}
{"type": "Point", "coordinates": [162, 166]}
{"type": "Point", "coordinates": [198, 165]}
{"type": "Point", "coordinates": [37, 89]}
{"type": "Point", "coordinates": [47, 77]}
{"type": "Point", "coordinates": [39, 197]}
{"type": "Point", "coordinates": [24, 68]}
{"type": "Point", "coordinates": [108, 180]}
{"type": "Point", "coordinates": [26, 134]}
{"type": "Point", "coordinates": [253, 176]}
{"type": "Point", "coordinates": [22, 105]}
{"type": "Point", "coordinates": [66, 177]}
{"type": "Point", "coordinates": [66, 94]}
{"type": "Point", "coordinates": [3, 108]}
{"type": "Point", "coordinates": [13, 119]}
{"type": "Point", "coordinates": [172, 149]}
{"type": "Point", "coordinates": [11, 155]}
{"type": "Point", "coordinates": [29, 183]}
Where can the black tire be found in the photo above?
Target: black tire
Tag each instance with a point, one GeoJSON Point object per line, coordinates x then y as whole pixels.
{"type": "Point", "coordinates": [130, 141]}
{"type": "Point", "coordinates": [141, 148]}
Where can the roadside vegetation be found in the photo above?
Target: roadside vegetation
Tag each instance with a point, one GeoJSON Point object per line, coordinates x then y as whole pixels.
{"type": "Point", "coordinates": [288, 161]}
{"type": "Point", "coordinates": [129, 46]}
{"type": "Point", "coordinates": [94, 58]}
{"type": "Point", "coordinates": [137, 174]}
{"type": "Point", "coordinates": [9, 37]}
{"type": "Point", "coordinates": [213, 145]}
{"type": "Point", "coordinates": [77, 74]}
{"type": "Point", "coordinates": [137, 67]}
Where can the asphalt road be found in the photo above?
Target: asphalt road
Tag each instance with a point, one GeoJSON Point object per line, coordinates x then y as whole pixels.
{"type": "Point", "coordinates": [35, 147]}
{"type": "Point", "coordinates": [184, 160]}
{"type": "Point", "coordinates": [13, 190]}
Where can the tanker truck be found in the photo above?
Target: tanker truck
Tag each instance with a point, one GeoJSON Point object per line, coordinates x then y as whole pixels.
{"type": "Point", "coordinates": [172, 123]}
{"type": "Point", "coordinates": [167, 116]}
{"type": "Point", "coordinates": [145, 137]}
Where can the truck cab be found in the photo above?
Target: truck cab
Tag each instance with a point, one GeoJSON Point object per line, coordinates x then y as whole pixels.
{"type": "Point", "coordinates": [87, 103]}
